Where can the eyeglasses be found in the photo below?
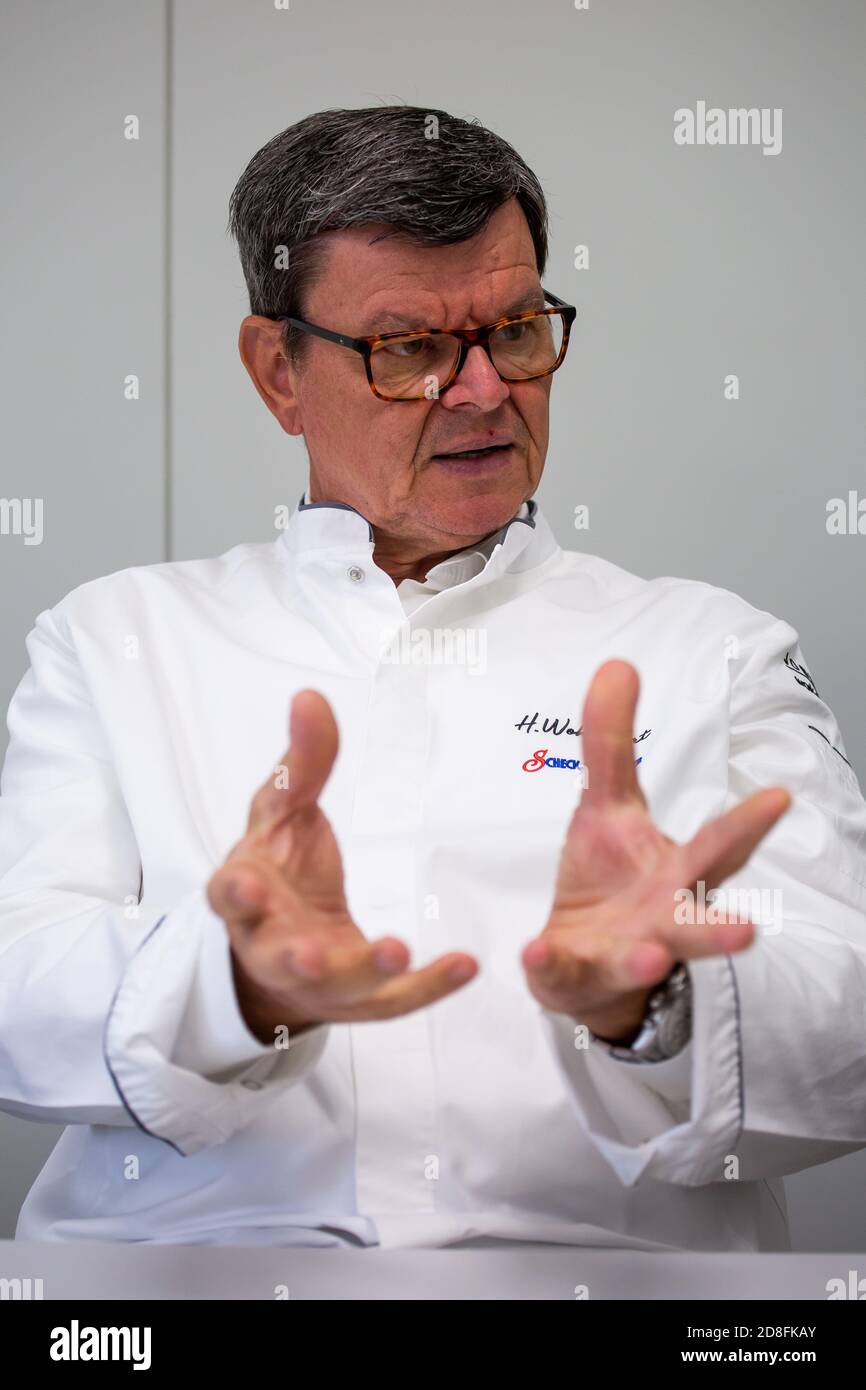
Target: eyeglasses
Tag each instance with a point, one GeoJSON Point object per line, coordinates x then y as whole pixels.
{"type": "Point", "coordinates": [421, 364]}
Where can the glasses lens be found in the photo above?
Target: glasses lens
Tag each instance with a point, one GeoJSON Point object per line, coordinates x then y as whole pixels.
{"type": "Point", "coordinates": [411, 368]}
{"type": "Point", "coordinates": [527, 347]}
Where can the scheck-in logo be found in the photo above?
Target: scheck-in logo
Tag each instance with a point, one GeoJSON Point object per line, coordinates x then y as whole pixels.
{"type": "Point", "coordinates": [540, 759]}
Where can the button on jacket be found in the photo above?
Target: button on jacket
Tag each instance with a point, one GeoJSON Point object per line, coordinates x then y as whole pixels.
{"type": "Point", "coordinates": [156, 703]}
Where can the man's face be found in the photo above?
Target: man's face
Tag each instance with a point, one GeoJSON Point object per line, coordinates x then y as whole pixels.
{"type": "Point", "coordinates": [382, 456]}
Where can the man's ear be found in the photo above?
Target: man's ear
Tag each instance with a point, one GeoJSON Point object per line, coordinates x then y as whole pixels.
{"type": "Point", "coordinates": [275, 379]}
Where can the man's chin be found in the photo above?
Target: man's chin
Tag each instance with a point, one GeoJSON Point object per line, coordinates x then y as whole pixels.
{"type": "Point", "coordinates": [470, 516]}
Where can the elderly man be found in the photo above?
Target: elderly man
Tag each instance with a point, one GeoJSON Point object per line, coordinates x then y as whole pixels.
{"type": "Point", "coordinates": [461, 962]}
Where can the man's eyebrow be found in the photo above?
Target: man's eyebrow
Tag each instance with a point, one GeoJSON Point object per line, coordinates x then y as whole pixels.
{"type": "Point", "coordinates": [388, 321]}
{"type": "Point", "coordinates": [533, 299]}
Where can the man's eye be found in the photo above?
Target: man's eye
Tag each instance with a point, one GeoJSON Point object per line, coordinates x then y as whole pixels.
{"type": "Point", "coordinates": [407, 347]}
{"type": "Point", "coordinates": [513, 332]}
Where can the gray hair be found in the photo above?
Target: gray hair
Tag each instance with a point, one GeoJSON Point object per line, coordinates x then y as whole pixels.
{"type": "Point", "coordinates": [425, 174]}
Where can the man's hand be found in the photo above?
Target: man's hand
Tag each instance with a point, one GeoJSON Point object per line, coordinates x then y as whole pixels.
{"type": "Point", "coordinates": [298, 958]}
{"type": "Point", "coordinates": [612, 936]}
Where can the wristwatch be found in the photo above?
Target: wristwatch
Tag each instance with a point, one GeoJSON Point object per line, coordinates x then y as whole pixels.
{"type": "Point", "coordinates": [667, 1025]}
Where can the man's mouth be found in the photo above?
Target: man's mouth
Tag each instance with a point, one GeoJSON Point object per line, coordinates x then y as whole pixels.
{"type": "Point", "coordinates": [474, 453]}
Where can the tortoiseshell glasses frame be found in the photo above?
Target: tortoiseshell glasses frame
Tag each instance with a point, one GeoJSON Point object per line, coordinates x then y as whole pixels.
{"type": "Point", "coordinates": [466, 337]}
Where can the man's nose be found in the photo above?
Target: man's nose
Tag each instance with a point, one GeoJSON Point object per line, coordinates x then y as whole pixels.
{"type": "Point", "coordinates": [478, 383]}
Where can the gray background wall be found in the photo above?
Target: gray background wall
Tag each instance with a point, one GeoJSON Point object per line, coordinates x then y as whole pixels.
{"type": "Point", "coordinates": [703, 261]}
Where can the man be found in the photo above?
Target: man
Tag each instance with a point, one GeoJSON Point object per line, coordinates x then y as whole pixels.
{"type": "Point", "coordinates": [455, 964]}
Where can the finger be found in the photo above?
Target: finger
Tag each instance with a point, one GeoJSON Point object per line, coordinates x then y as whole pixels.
{"type": "Point", "coordinates": [362, 979]}
{"type": "Point", "coordinates": [607, 735]}
{"type": "Point", "coordinates": [658, 918]}
{"type": "Point", "coordinates": [621, 968]}
{"type": "Point", "coordinates": [724, 845]}
{"type": "Point", "coordinates": [340, 972]}
{"type": "Point", "coordinates": [238, 892]}
{"type": "Point", "coordinates": [297, 781]}
{"type": "Point", "coordinates": [418, 988]}
{"type": "Point", "coordinates": [697, 941]}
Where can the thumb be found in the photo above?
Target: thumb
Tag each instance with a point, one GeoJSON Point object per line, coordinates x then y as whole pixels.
{"type": "Point", "coordinates": [305, 767]}
{"type": "Point", "coordinates": [313, 744]}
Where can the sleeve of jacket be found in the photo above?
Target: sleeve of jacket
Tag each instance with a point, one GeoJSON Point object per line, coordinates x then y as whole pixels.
{"type": "Point", "coordinates": [773, 1079]}
{"type": "Point", "coordinates": [109, 1014]}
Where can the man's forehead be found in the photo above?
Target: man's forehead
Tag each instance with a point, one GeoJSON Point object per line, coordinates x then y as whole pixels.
{"type": "Point", "coordinates": [387, 280]}
{"type": "Point", "coordinates": [411, 307]}
{"type": "Point", "coordinates": [386, 302]}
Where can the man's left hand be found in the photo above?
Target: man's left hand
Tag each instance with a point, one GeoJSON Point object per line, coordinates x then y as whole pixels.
{"type": "Point", "coordinates": [612, 934]}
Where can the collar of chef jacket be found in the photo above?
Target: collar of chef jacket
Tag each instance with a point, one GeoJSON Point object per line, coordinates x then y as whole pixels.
{"type": "Point", "coordinates": [464, 561]}
{"type": "Point", "coordinates": [323, 537]}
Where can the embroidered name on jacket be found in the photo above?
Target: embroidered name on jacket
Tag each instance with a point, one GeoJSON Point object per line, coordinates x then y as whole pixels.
{"type": "Point", "coordinates": [540, 759]}
{"type": "Point", "coordinates": [561, 726]}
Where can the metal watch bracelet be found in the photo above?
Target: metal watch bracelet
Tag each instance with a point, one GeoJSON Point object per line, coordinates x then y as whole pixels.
{"type": "Point", "coordinates": [667, 1025]}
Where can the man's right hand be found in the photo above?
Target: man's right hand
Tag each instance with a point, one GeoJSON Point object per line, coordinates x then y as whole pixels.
{"type": "Point", "coordinates": [297, 956]}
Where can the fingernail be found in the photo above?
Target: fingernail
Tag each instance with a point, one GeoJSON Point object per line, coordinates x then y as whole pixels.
{"type": "Point", "coordinates": [461, 972]}
{"type": "Point", "coordinates": [387, 962]}
{"type": "Point", "coordinates": [538, 954]}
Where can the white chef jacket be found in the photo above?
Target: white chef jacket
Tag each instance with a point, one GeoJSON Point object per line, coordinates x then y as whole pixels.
{"type": "Point", "coordinates": [156, 703]}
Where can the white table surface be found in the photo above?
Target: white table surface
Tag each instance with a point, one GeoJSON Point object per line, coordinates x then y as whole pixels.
{"type": "Point", "coordinates": [91, 1270]}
